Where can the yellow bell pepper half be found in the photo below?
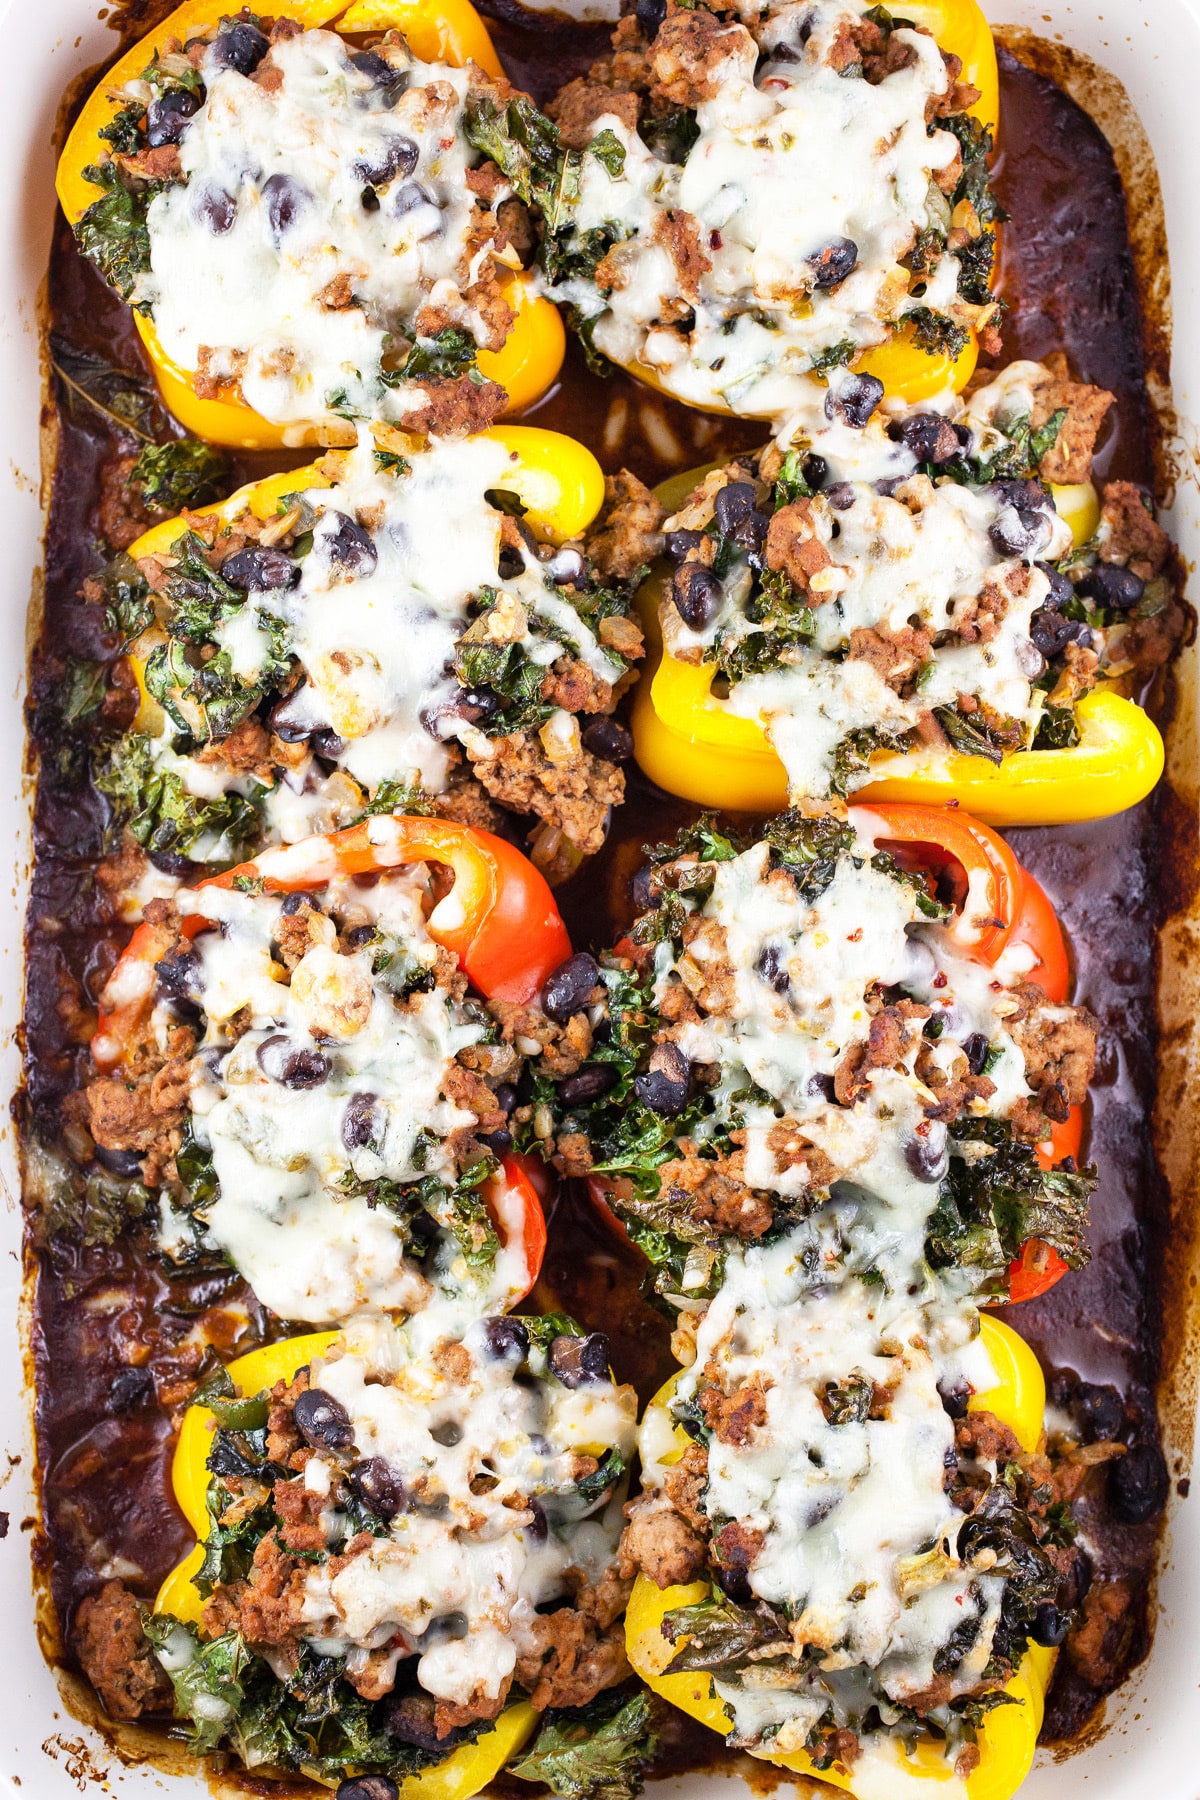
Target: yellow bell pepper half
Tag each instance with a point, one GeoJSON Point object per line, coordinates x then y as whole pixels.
{"type": "Point", "coordinates": [448, 31]}
{"type": "Point", "coordinates": [1008, 1735]}
{"type": "Point", "coordinates": [466, 1770]}
{"type": "Point", "coordinates": [559, 481]}
{"type": "Point", "coordinates": [688, 741]}
{"type": "Point", "coordinates": [906, 371]}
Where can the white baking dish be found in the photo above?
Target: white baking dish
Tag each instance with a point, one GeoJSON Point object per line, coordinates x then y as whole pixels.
{"type": "Point", "coordinates": [1153, 48]}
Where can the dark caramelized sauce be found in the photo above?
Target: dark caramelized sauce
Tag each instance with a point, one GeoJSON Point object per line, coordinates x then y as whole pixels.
{"type": "Point", "coordinates": [104, 1314]}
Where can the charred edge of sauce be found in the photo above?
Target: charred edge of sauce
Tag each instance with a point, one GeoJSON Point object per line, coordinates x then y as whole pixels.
{"type": "Point", "coordinates": [657, 437]}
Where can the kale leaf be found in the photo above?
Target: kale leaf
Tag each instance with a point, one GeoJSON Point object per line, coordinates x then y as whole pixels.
{"type": "Point", "coordinates": [809, 849]}
{"type": "Point", "coordinates": [156, 807]}
{"type": "Point", "coordinates": [996, 1196]}
{"type": "Point", "coordinates": [593, 1752]}
{"type": "Point", "coordinates": [183, 473]}
{"type": "Point", "coordinates": [112, 233]}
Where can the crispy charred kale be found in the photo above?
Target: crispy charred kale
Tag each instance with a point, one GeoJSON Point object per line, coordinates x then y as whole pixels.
{"type": "Point", "coordinates": [183, 473]}
{"type": "Point", "coordinates": [310, 1722]}
{"type": "Point", "coordinates": [113, 234]}
{"type": "Point", "coordinates": [162, 815]}
{"type": "Point", "coordinates": [594, 1752]}
{"type": "Point", "coordinates": [996, 1196]}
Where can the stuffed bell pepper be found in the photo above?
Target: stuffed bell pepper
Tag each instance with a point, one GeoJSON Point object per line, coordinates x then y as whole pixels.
{"type": "Point", "coordinates": [856, 1558]}
{"type": "Point", "coordinates": [406, 1554]}
{"type": "Point", "coordinates": [872, 1008]}
{"type": "Point", "coordinates": [392, 623]}
{"type": "Point", "coordinates": [767, 196]}
{"type": "Point", "coordinates": [299, 217]}
{"type": "Point", "coordinates": [928, 604]}
{"type": "Point", "coordinates": [307, 1064]}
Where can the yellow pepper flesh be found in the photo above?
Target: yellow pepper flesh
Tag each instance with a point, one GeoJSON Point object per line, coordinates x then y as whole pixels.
{"type": "Point", "coordinates": [448, 31]}
{"type": "Point", "coordinates": [466, 1770]}
{"type": "Point", "coordinates": [1008, 1735]}
{"type": "Point", "coordinates": [689, 742]}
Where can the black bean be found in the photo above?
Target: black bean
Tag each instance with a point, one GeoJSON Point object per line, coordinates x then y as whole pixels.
{"type": "Point", "coordinates": [1027, 493]}
{"type": "Point", "coordinates": [841, 496]}
{"type": "Point", "coordinates": [650, 15]}
{"type": "Point", "coordinates": [605, 737]}
{"type": "Point", "coordinates": [815, 471]}
{"type": "Point", "coordinates": [641, 895]}
{"type": "Point", "coordinates": [299, 900]}
{"type": "Point", "coordinates": [697, 595]}
{"type": "Point", "coordinates": [398, 156]}
{"type": "Point", "coordinates": [1138, 1484]}
{"type": "Point", "coordinates": [286, 719]}
{"type": "Point", "coordinates": [1111, 586]}
{"type": "Point", "coordinates": [1074, 1587]}
{"type": "Point", "coordinates": [567, 568]}
{"type": "Point", "coordinates": [178, 972]}
{"type": "Point", "coordinates": [119, 1162]}
{"type": "Point", "coordinates": [1020, 532]}
{"type": "Point", "coordinates": [505, 1096]}
{"type": "Point", "coordinates": [257, 570]}
{"type": "Point", "coordinates": [286, 199]}
{"type": "Point", "coordinates": [887, 486]}
{"type": "Point", "coordinates": [473, 705]}
{"type": "Point", "coordinates": [447, 1434]}
{"type": "Point", "coordinates": [215, 209]}
{"type": "Point", "coordinates": [770, 966]}
{"type": "Point", "coordinates": [930, 437]}
{"type": "Point", "coordinates": [350, 546]}
{"type": "Point", "coordinates": [499, 1142]}
{"type": "Point", "coordinates": [322, 1421]}
{"type": "Point", "coordinates": [280, 1061]}
{"type": "Point", "coordinates": [954, 1400]}
{"type": "Point", "coordinates": [832, 264]}
{"type": "Point", "coordinates": [735, 1584]}
{"type": "Point", "coordinates": [381, 74]}
{"type": "Point", "coordinates": [927, 1161]}
{"type": "Point", "coordinates": [375, 1787]}
{"type": "Point", "coordinates": [975, 1049]}
{"type": "Point", "coordinates": [822, 1084]}
{"type": "Point", "coordinates": [378, 1487]}
{"type": "Point", "coordinates": [538, 1526]}
{"type": "Point", "coordinates": [853, 399]}
{"type": "Point", "coordinates": [359, 1120]}
{"type": "Point", "coordinates": [410, 1718]}
{"type": "Point", "coordinates": [327, 744]}
{"type": "Point", "coordinates": [732, 504]}
{"type": "Point", "coordinates": [167, 117]}
{"type": "Point", "coordinates": [239, 46]}
{"type": "Point", "coordinates": [679, 543]}
{"type": "Point", "coordinates": [1050, 1627]}
{"type": "Point", "coordinates": [593, 1080]}
{"type": "Point", "coordinates": [359, 935]}
{"type": "Point", "coordinates": [1099, 1410]}
{"type": "Point", "coordinates": [578, 1361]}
{"type": "Point", "coordinates": [1051, 633]}
{"type": "Point", "coordinates": [1060, 587]}
{"type": "Point", "coordinates": [408, 198]}
{"type": "Point", "coordinates": [130, 1387]}
{"type": "Point", "coordinates": [505, 1339]}
{"type": "Point", "coordinates": [664, 1086]}
{"type": "Point", "coordinates": [568, 988]}
{"type": "Point", "coordinates": [169, 862]}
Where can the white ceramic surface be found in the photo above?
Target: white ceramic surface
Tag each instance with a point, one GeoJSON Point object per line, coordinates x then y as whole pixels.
{"type": "Point", "coordinates": [1153, 46]}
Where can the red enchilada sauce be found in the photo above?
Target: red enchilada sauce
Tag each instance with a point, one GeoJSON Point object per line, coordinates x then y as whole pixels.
{"type": "Point", "coordinates": [119, 1343]}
